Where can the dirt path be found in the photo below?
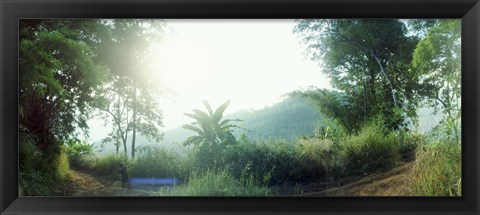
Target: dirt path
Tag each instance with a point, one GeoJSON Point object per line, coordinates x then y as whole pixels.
{"type": "Point", "coordinates": [390, 183]}
{"type": "Point", "coordinates": [82, 183]}
{"type": "Point", "coordinates": [86, 182]}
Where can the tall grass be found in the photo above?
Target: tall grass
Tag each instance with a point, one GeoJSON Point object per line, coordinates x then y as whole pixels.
{"type": "Point", "coordinates": [40, 173]}
{"type": "Point", "coordinates": [61, 165]}
{"type": "Point", "coordinates": [437, 170]}
{"type": "Point", "coordinates": [268, 162]}
{"type": "Point", "coordinates": [219, 183]}
{"type": "Point", "coordinates": [109, 163]}
{"type": "Point", "coordinates": [319, 159]}
{"type": "Point", "coordinates": [372, 149]}
{"type": "Point", "coordinates": [156, 161]}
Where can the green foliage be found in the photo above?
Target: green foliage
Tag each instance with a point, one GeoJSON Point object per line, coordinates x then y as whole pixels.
{"type": "Point", "coordinates": [332, 104]}
{"type": "Point", "coordinates": [57, 81]}
{"type": "Point", "coordinates": [62, 166]}
{"type": "Point", "coordinates": [330, 129]}
{"type": "Point", "coordinates": [129, 99]}
{"type": "Point", "coordinates": [76, 148]}
{"type": "Point", "coordinates": [409, 143]}
{"type": "Point", "coordinates": [437, 170]}
{"type": "Point", "coordinates": [58, 77]}
{"type": "Point", "coordinates": [220, 183]}
{"type": "Point", "coordinates": [109, 164]}
{"type": "Point", "coordinates": [214, 134]}
{"type": "Point", "coordinates": [268, 162]}
{"type": "Point", "coordinates": [319, 160]}
{"type": "Point", "coordinates": [368, 60]}
{"type": "Point", "coordinates": [437, 59]}
{"type": "Point", "coordinates": [33, 176]}
{"type": "Point", "coordinates": [155, 161]}
{"type": "Point", "coordinates": [373, 149]}
{"type": "Point", "coordinates": [39, 173]}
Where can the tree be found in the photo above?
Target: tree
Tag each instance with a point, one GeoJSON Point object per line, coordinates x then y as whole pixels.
{"type": "Point", "coordinates": [214, 134]}
{"type": "Point", "coordinates": [368, 59]}
{"type": "Point", "coordinates": [130, 97]}
{"type": "Point", "coordinates": [58, 77]}
{"type": "Point", "coordinates": [437, 59]}
{"type": "Point", "coordinates": [332, 104]}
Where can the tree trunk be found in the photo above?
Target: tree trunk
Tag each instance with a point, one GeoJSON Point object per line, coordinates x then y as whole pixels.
{"type": "Point", "coordinates": [125, 147]}
{"type": "Point", "coordinates": [389, 80]}
{"type": "Point", "coordinates": [126, 137]}
{"type": "Point", "coordinates": [134, 131]}
{"type": "Point", "coordinates": [364, 100]}
{"type": "Point", "coordinates": [117, 145]}
{"type": "Point", "coordinates": [134, 122]}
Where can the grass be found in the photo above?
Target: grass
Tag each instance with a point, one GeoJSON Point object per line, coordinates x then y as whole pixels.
{"type": "Point", "coordinates": [155, 161]}
{"type": "Point", "coordinates": [213, 183]}
{"type": "Point", "coordinates": [437, 170]}
{"type": "Point", "coordinates": [371, 150]}
{"type": "Point", "coordinates": [109, 163]}
{"type": "Point", "coordinates": [40, 173]}
{"type": "Point", "coordinates": [319, 159]}
{"type": "Point", "coordinates": [267, 162]}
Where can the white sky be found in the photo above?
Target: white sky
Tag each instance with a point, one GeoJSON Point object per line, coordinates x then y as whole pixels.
{"type": "Point", "coordinates": [251, 62]}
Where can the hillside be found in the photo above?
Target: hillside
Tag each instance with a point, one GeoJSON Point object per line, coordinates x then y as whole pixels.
{"type": "Point", "coordinates": [288, 119]}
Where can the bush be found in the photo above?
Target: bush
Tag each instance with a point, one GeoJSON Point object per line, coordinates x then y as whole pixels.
{"type": "Point", "coordinates": [155, 161]}
{"type": "Point", "coordinates": [213, 183]}
{"type": "Point", "coordinates": [269, 162]}
{"type": "Point", "coordinates": [109, 164]}
{"type": "Point", "coordinates": [77, 150]}
{"type": "Point", "coordinates": [409, 143]}
{"type": "Point", "coordinates": [372, 149]}
{"type": "Point", "coordinates": [40, 173]}
{"type": "Point", "coordinates": [437, 170]}
{"type": "Point", "coordinates": [61, 162]}
{"type": "Point", "coordinates": [319, 159]}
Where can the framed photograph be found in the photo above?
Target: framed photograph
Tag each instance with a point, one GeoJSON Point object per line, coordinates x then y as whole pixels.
{"type": "Point", "coordinates": [160, 107]}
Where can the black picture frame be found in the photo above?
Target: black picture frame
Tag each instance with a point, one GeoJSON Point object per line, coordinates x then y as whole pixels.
{"type": "Point", "coordinates": [12, 10]}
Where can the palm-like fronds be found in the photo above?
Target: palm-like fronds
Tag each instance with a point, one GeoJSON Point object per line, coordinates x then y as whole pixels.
{"type": "Point", "coordinates": [210, 127]}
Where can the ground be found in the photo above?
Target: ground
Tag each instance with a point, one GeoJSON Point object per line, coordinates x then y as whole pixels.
{"type": "Point", "coordinates": [84, 182]}
{"type": "Point", "coordinates": [390, 183]}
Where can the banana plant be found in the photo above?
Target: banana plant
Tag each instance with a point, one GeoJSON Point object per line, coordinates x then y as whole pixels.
{"type": "Point", "coordinates": [212, 130]}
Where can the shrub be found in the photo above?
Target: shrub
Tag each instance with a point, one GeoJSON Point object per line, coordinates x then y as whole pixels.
{"type": "Point", "coordinates": [34, 177]}
{"type": "Point", "coordinates": [269, 162]}
{"type": "Point", "coordinates": [77, 150]}
{"type": "Point", "coordinates": [409, 142]}
{"type": "Point", "coordinates": [372, 149]}
{"type": "Point", "coordinates": [437, 170]}
{"type": "Point", "coordinates": [61, 162]}
{"type": "Point", "coordinates": [109, 163]}
{"type": "Point", "coordinates": [155, 161]}
{"type": "Point", "coordinates": [319, 159]}
{"type": "Point", "coordinates": [219, 183]}
{"type": "Point", "coordinates": [40, 173]}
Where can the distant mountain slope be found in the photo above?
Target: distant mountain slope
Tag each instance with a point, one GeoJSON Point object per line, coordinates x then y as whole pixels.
{"type": "Point", "coordinates": [288, 119]}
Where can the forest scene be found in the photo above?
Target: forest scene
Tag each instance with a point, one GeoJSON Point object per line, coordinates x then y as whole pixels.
{"type": "Point", "coordinates": [307, 107]}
